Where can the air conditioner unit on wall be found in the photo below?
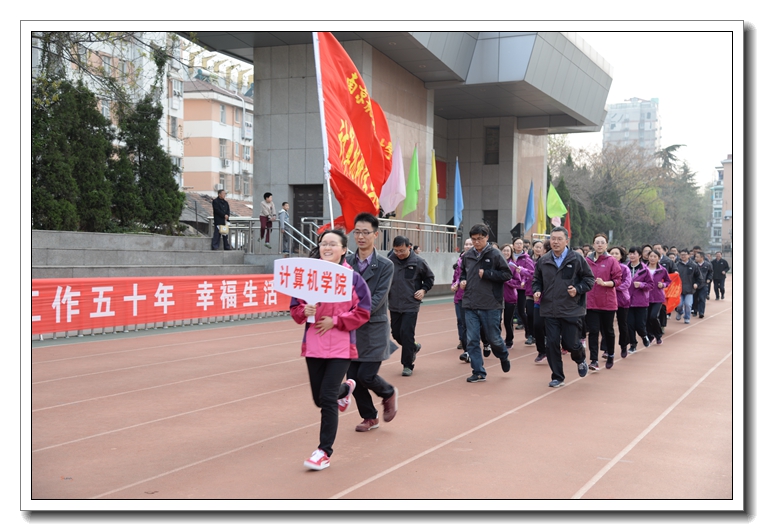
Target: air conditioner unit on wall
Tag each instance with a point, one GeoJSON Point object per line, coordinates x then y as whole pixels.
{"type": "Point", "coordinates": [226, 163]}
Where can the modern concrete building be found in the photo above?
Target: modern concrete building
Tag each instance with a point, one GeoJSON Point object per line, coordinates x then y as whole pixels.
{"type": "Point", "coordinates": [488, 98]}
{"type": "Point", "coordinates": [634, 121]}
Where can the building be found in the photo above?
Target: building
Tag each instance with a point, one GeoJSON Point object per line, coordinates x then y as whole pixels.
{"type": "Point", "coordinates": [217, 140]}
{"type": "Point", "coordinates": [721, 201]}
{"type": "Point", "coordinates": [488, 98]}
{"type": "Point", "coordinates": [634, 121]}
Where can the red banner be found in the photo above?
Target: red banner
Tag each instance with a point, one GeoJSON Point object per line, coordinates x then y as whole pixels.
{"type": "Point", "coordinates": [356, 154]}
{"type": "Point", "coordinates": [673, 292]}
{"type": "Point", "coordinates": [66, 304]}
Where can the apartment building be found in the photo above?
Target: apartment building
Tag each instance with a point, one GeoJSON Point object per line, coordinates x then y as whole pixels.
{"type": "Point", "coordinates": [721, 200]}
{"type": "Point", "coordinates": [217, 140]}
{"type": "Point", "coordinates": [634, 121]}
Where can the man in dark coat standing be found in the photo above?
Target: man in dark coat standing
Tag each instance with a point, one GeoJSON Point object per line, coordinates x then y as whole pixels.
{"type": "Point", "coordinates": [372, 338]}
{"type": "Point", "coordinates": [220, 213]}
{"type": "Point", "coordinates": [720, 267]}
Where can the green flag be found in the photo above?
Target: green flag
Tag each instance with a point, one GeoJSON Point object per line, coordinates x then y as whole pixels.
{"type": "Point", "coordinates": [412, 186]}
{"type": "Point", "coordinates": [554, 206]}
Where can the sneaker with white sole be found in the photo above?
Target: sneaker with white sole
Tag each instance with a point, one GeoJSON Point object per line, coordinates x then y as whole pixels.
{"type": "Point", "coordinates": [344, 403]}
{"type": "Point", "coordinates": [583, 369]}
{"type": "Point", "coordinates": [318, 461]}
{"type": "Point", "coordinates": [464, 357]}
{"type": "Point", "coordinates": [594, 365]}
{"type": "Point", "coordinates": [367, 424]}
{"type": "Point", "coordinates": [476, 378]}
{"type": "Point", "coordinates": [390, 406]}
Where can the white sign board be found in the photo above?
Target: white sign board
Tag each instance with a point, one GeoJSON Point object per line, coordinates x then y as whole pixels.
{"type": "Point", "coordinates": [313, 280]}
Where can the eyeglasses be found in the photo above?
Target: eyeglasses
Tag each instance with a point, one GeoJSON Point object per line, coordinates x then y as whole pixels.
{"type": "Point", "coordinates": [330, 244]}
{"type": "Point", "coordinates": [363, 232]}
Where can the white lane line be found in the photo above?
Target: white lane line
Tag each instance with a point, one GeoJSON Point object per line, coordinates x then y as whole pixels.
{"type": "Point", "coordinates": [589, 484]}
{"type": "Point", "coordinates": [191, 412]}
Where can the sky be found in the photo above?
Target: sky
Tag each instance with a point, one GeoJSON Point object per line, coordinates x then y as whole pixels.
{"type": "Point", "coordinates": [690, 74]}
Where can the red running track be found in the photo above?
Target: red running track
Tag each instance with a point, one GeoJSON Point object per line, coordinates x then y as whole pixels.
{"type": "Point", "coordinates": [224, 413]}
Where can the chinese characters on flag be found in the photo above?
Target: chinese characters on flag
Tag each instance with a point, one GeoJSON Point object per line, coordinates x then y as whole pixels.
{"type": "Point", "coordinates": [66, 304]}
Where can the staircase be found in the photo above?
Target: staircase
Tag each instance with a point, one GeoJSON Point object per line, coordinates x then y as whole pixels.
{"type": "Point", "coordinates": [60, 254]}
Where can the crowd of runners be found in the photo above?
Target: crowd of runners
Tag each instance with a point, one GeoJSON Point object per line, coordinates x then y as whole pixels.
{"type": "Point", "coordinates": [563, 299]}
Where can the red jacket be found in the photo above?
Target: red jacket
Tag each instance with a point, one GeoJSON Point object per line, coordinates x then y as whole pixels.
{"type": "Point", "coordinates": [607, 268]}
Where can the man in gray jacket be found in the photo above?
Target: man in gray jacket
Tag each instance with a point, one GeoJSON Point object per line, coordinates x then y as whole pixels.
{"type": "Point", "coordinates": [560, 282]}
{"type": "Point", "coordinates": [484, 272]}
{"type": "Point", "coordinates": [373, 338]}
{"type": "Point", "coordinates": [412, 278]}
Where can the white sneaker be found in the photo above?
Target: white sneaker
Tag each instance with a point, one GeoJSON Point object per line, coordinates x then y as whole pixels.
{"type": "Point", "coordinates": [344, 403]}
{"type": "Point", "coordinates": [318, 461]}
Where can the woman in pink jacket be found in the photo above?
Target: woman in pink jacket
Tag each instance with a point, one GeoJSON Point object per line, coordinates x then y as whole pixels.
{"type": "Point", "coordinates": [639, 295]}
{"type": "Point", "coordinates": [624, 300]}
{"type": "Point", "coordinates": [329, 344]}
{"type": "Point", "coordinates": [601, 301]}
{"type": "Point", "coordinates": [661, 280]}
{"type": "Point", "coordinates": [510, 295]}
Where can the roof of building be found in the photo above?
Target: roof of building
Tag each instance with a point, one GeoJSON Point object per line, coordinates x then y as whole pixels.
{"type": "Point", "coordinates": [553, 82]}
{"type": "Point", "coordinates": [199, 85]}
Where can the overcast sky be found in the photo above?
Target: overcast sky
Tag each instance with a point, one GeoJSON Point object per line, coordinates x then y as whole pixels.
{"type": "Point", "coordinates": [690, 74]}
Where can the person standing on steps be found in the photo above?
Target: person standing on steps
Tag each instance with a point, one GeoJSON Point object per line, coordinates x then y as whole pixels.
{"type": "Point", "coordinates": [412, 279]}
{"type": "Point", "coordinates": [283, 220]}
{"type": "Point", "coordinates": [220, 213]}
{"type": "Point", "coordinates": [560, 283]}
{"type": "Point", "coordinates": [267, 217]}
{"type": "Point", "coordinates": [373, 338]}
{"type": "Point", "coordinates": [484, 272]}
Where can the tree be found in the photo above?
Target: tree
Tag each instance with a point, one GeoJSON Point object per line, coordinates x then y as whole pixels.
{"type": "Point", "coordinates": [161, 199]}
{"type": "Point", "coordinates": [667, 158]}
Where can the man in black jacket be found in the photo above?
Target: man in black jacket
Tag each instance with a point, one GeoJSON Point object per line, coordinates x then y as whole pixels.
{"type": "Point", "coordinates": [720, 267]}
{"type": "Point", "coordinates": [701, 295]}
{"type": "Point", "coordinates": [560, 282]}
{"type": "Point", "coordinates": [220, 213]}
{"type": "Point", "coordinates": [412, 278]}
{"type": "Point", "coordinates": [484, 272]}
{"type": "Point", "coordinates": [690, 276]}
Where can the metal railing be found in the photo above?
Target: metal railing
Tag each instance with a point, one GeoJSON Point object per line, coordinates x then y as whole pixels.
{"type": "Point", "coordinates": [430, 237]}
{"type": "Point", "coordinates": [244, 234]}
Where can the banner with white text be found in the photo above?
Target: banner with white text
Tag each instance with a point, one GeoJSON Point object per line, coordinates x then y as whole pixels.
{"type": "Point", "coordinates": [66, 304]}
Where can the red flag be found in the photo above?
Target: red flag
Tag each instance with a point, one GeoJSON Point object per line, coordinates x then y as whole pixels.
{"type": "Point", "coordinates": [567, 223]}
{"type": "Point", "coordinates": [353, 149]}
{"type": "Point", "coordinates": [673, 292]}
{"type": "Point", "coordinates": [379, 175]}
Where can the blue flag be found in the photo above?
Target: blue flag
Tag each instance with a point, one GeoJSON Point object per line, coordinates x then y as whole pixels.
{"type": "Point", "coordinates": [530, 213]}
{"type": "Point", "coordinates": [458, 199]}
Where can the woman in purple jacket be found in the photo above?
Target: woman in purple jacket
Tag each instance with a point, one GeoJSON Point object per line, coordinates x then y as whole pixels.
{"type": "Point", "coordinates": [458, 294]}
{"type": "Point", "coordinates": [639, 294]}
{"type": "Point", "coordinates": [510, 295]}
{"type": "Point", "coordinates": [328, 344]}
{"type": "Point", "coordinates": [525, 290]}
{"type": "Point", "coordinates": [661, 280]}
{"type": "Point", "coordinates": [601, 301]}
{"type": "Point", "coordinates": [622, 294]}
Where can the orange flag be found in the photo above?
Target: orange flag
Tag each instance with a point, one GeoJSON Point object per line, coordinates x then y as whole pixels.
{"type": "Point", "coordinates": [353, 149]}
{"type": "Point", "coordinates": [567, 223]}
{"type": "Point", "coordinates": [673, 292]}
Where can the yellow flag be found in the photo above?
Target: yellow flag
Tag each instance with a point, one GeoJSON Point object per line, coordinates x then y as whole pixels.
{"type": "Point", "coordinates": [541, 216]}
{"type": "Point", "coordinates": [433, 198]}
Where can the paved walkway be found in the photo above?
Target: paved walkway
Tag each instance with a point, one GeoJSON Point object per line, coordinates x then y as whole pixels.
{"type": "Point", "coordinates": [224, 413]}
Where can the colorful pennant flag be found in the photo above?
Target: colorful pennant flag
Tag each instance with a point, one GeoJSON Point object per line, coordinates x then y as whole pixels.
{"type": "Point", "coordinates": [530, 213]}
{"type": "Point", "coordinates": [554, 206]}
{"type": "Point", "coordinates": [458, 199]}
{"type": "Point", "coordinates": [412, 186]}
{"type": "Point", "coordinates": [541, 228]}
{"type": "Point", "coordinates": [394, 189]}
{"type": "Point", "coordinates": [432, 200]}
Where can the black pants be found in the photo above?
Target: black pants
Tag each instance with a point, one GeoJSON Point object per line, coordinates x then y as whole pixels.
{"type": "Point", "coordinates": [653, 326]}
{"type": "Point", "coordinates": [699, 299]}
{"type": "Point", "coordinates": [509, 329]}
{"type": "Point", "coordinates": [403, 326]}
{"type": "Point", "coordinates": [216, 240]}
{"type": "Point", "coordinates": [529, 317]}
{"type": "Point", "coordinates": [600, 322]}
{"type": "Point", "coordinates": [621, 315]}
{"type": "Point", "coordinates": [637, 321]}
{"type": "Point", "coordinates": [520, 307]}
{"type": "Point", "coordinates": [366, 379]}
{"type": "Point", "coordinates": [565, 331]}
{"type": "Point", "coordinates": [326, 376]}
{"type": "Point", "coordinates": [539, 331]}
{"type": "Point", "coordinates": [719, 286]}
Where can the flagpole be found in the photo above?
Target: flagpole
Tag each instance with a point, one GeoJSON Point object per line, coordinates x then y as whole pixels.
{"type": "Point", "coordinates": [325, 140]}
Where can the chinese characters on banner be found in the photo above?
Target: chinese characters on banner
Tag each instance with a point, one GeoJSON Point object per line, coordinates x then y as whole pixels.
{"type": "Point", "coordinates": [66, 304]}
{"type": "Point", "coordinates": [313, 280]}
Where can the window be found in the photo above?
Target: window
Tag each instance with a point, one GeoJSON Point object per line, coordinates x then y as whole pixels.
{"type": "Point", "coordinates": [173, 126]}
{"type": "Point", "coordinates": [177, 163]}
{"type": "Point", "coordinates": [237, 115]}
{"type": "Point", "coordinates": [237, 186]}
{"type": "Point", "coordinates": [491, 145]}
{"type": "Point", "coordinates": [177, 88]}
{"type": "Point", "coordinates": [717, 213]}
{"type": "Point", "coordinates": [223, 150]}
{"type": "Point", "coordinates": [717, 232]}
{"type": "Point", "coordinates": [222, 181]}
{"type": "Point", "coordinates": [222, 113]}
{"type": "Point", "coordinates": [649, 115]}
{"type": "Point", "coordinates": [247, 152]}
{"type": "Point", "coordinates": [82, 56]}
{"type": "Point", "coordinates": [236, 149]}
{"type": "Point", "coordinates": [106, 109]}
{"type": "Point", "coordinates": [106, 65]}
{"type": "Point", "coordinates": [247, 180]}
{"type": "Point", "coordinates": [124, 69]}
{"type": "Point", "coordinates": [718, 194]}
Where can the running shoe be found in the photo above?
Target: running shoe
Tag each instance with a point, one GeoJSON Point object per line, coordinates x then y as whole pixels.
{"type": "Point", "coordinates": [390, 406]}
{"type": "Point", "coordinates": [344, 402]}
{"type": "Point", "coordinates": [318, 461]}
